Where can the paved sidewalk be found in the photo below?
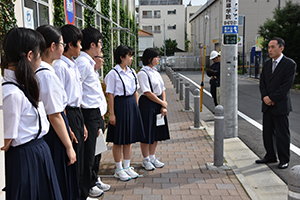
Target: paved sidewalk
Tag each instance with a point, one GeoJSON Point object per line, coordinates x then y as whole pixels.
{"type": "Point", "coordinates": [185, 175]}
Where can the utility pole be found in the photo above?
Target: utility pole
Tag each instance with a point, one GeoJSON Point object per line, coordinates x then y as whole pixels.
{"type": "Point", "coordinates": [165, 39]}
{"type": "Point", "coordinates": [229, 67]}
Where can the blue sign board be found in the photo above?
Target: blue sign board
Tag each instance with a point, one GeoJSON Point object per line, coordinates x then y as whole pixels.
{"type": "Point", "coordinates": [69, 6]}
{"type": "Point", "coordinates": [230, 29]}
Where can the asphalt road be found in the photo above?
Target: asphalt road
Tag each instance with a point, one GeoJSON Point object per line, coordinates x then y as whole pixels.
{"type": "Point", "coordinates": [249, 103]}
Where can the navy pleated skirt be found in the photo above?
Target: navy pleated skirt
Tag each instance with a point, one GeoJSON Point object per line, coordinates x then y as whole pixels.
{"type": "Point", "coordinates": [129, 127]}
{"type": "Point", "coordinates": [149, 110]}
{"type": "Point", "coordinates": [30, 173]}
{"type": "Point", "coordinates": [66, 175]}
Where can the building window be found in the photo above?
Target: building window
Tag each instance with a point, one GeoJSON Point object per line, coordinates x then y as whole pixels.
{"type": "Point", "coordinates": [40, 12]}
{"type": "Point", "coordinates": [98, 22]}
{"type": "Point", "coordinates": [78, 15]}
{"type": "Point", "coordinates": [147, 28]}
{"type": "Point", "coordinates": [172, 12]}
{"type": "Point", "coordinates": [156, 13]}
{"type": "Point", "coordinates": [172, 27]}
{"type": "Point", "coordinates": [157, 29]}
{"type": "Point", "coordinates": [147, 14]}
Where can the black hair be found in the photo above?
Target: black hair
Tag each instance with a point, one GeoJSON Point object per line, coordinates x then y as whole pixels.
{"type": "Point", "coordinates": [16, 45]}
{"type": "Point", "coordinates": [90, 35]}
{"type": "Point", "coordinates": [71, 34]}
{"type": "Point", "coordinates": [50, 33]}
{"type": "Point", "coordinates": [279, 40]}
{"type": "Point", "coordinates": [149, 54]}
{"type": "Point", "coordinates": [122, 51]}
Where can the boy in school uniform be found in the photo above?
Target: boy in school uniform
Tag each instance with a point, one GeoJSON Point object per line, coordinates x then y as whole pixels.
{"type": "Point", "coordinates": [91, 103]}
{"type": "Point", "coordinates": [67, 71]}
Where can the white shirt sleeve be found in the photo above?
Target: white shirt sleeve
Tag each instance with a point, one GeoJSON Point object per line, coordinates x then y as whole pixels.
{"type": "Point", "coordinates": [143, 82]}
{"type": "Point", "coordinates": [110, 81]}
{"type": "Point", "coordinates": [12, 109]}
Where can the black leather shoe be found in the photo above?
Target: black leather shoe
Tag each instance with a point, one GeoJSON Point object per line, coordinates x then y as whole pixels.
{"type": "Point", "coordinates": [264, 161]}
{"type": "Point", "coordinates": [283, 165]}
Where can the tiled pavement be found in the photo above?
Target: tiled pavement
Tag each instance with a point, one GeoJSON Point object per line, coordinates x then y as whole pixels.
{"type": "Point", "coordinates": [185, 175]}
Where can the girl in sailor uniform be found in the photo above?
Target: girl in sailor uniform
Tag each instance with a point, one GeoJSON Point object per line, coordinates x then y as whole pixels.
{"type": "Point", "coordinates": [153, 106]}
{"type": "Point", "coordinates": [54, 97]}
{"type": "Point", "coordinates": [30, 173]}
{"type": "Point", "coordinates": [125, 123]}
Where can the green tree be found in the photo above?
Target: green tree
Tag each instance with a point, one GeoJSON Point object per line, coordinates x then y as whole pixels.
{"type": "Point", "coordinates": [89, 15]}
{"type": "Point", "coordinates": [187, 42]}
{"type": "Point", "coordinates": [171, 47]}
{"type": "Point", "coordinates": [285, 24]}
{"type": "Point", "coordinates": [59, 13]}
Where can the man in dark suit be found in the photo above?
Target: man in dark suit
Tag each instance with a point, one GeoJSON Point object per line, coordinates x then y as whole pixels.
{"type": "Point", "coordinates": [276, 79]}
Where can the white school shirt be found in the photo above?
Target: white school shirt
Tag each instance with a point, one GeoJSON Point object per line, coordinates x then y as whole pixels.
{"type": "Point", "coordinates": [92, 93]}
{"type": "Point", "coordinates": [52, 93]}
{"type": "Point", "coordinates": [21, 122]}
{"type": "Point", "coordinates": [114, 84]}
{"type": "Point", "coordinates": [155, 78]}
{"type": "Point", "coordinates": [68, 74]}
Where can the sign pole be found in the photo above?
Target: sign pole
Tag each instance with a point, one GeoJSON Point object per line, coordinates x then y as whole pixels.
{"type": "Point", "coordinates": [229, 65]}
{"type": "Point", "coordinates": [202, 83]}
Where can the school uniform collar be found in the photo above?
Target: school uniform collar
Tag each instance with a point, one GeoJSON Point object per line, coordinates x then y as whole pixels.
{"type": "Point", "coordinates": [9, 75]}
{"type": "Point", "coordinates": [87, 56]}
{"type": "Point", "coordinates": [71, 63]}
{"type": "Point", "coordinates": [278, 59]}
{"type": "Point", "coordinates": [149, 68]}
{"type": "Point", "coordinates": [120, 70]}
{"type": "Point", "coordinates": [46, 65]}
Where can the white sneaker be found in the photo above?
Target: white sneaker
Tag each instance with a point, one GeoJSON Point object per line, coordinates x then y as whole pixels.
{"type": "Point", "coordinates": [131, 173]}
{"type": "Point", "coordinates": [147, 165]}
{"type": "Point", "coordinates": [101, 185]}
{"type": "Point", "coordinates": [95, 192]}
{"type": "Point", "coordinates": [122, 175]}
{"type": "Point", "coordinates": [157, 163]}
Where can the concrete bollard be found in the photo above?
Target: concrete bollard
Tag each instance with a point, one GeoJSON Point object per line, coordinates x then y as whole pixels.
{"type": "Point", "coordinates": [294, 183]}
{"type": "Point", "coordinates": [219, 136]}
{"type": "Point", "coordinates": [174, 79]}
{"type": "Point", "coordinates": [177, 84]}
{"type": "Point", "coordinates": [181, 89]}
{"type": "Point", "coordinates": [196, 108]}
{"type": "Point", "coordinates": [187, 96]}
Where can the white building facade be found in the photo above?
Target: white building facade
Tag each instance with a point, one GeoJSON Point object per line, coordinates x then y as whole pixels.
{"type": "Point", "coordinates": [168, 20]}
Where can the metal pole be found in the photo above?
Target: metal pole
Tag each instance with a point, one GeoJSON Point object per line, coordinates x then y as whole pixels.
{"type": "Point", "coordinates": [202, 83]}
{"type": "Point", "coordinates": [294, 183]}
{"type": "Point", "coordinates": [187, 96]}
{"type": "Point", "coordinates": [218, 136]}
{"type": "Point", "coordinates": [177, 84]}
{"type": "Point", "coordinates": [174, 79]}
{"type": "Point", "coordinates": [196, 108]}
{"type": "Point", "coordinates": [244, 35]}
{"type": "Point", "coordinates": [181, 90]}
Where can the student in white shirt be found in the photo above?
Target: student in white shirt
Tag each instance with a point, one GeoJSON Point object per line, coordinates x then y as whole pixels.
{"type": "Point", "coordinates": [30, 173]}
{"type": "Point", "coordinates": [125, 123]}
{"type": "Point", "coordinates": [151, 103]}
{"type": "Point", "coordinates": [91, 96]}
{"type": "Point", "coordinates": [67, 71]}
{"type": "Point", "coordinates": [53, 96]}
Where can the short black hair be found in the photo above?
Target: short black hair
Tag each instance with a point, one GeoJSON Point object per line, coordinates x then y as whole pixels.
{"type": "Point", "coordinates": [279, 40]}
{"type": "Point", "coordinates": [122, 51]}
{"type": "Point", "coordinates": [50, 33]}
{"type": "Point", "coordinates": [71, 34]}
{"type": "Point", "coordinates": [90, 35]}
{"type": "Point", "coordinates": [149, 54]}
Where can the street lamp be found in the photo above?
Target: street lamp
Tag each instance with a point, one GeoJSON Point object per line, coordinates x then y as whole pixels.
{"type": "Point", "coordinates": [206, 18]}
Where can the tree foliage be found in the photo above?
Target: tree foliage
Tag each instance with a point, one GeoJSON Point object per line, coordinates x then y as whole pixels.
{"type": "Point", "coordinates": [89, 15]}
{"type": "Point", "coordinates": [59, 13]}
{"type": "Point", "coordinates": [171, 47]}
{"type": "Point", "coordinates": [285, 24]}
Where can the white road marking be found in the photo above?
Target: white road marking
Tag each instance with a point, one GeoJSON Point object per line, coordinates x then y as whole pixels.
{"type": "Point", "coordinates": [293, 148]}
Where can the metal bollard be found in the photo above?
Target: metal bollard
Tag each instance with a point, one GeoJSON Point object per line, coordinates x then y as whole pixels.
{"type": "Point", "coordinates": [181, 89]}
{"type": "Point", "coordinates": [187, 96]}
{"type": "Point", "coordinates": [219, 136]}
{"type": "Point", "coordinates": [197, 108]}
{"type": "Point", "coordinates": [177, 84]}
{"type": "Point", "coordinates": [294, 183]}
{"type": "Point", "coordinates": [174, 79]}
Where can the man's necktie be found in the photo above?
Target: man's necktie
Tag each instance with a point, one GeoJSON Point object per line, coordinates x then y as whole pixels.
{"type": "Point", "coordinates": [274, 65]}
